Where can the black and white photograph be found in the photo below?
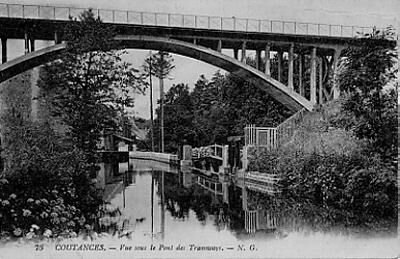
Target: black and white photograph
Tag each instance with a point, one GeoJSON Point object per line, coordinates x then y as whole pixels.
{"type": "Point", "coordinates": [199, 129]}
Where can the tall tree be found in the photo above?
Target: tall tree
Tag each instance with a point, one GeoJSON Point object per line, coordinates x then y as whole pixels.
{"type": "Point", "coordinates": [88, 86]}
{"type": "Point", "coordinates": [365, 75]}
{"type": "Point", "coordinates": [160, 65]}
{"type": "Point", "coordinates": [178, 117]}
{"type": "Point", "coordinates": [224, 105]}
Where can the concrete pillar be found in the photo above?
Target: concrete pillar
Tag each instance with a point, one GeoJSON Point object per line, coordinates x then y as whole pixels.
{"type": "Point", "coordinates": [3, 49]}
{"type": "Point", "coordinates": [301, 65]}
{"type": "Point", "coordinates": [26, 38]}
{"type": "Point", "coordinates": [195, 41]}
{"type": "Point", "coordinates": [243, 52]}
{"type": "Point", "coordinates": [290, 73]}
{"type": "Point", "coordinates": [320, 86]}
{"type": "Point", "coordinates": [32, 44]}
{"type": "Point", "coordinates": [56, 37]}
{"type": "Point", "coordinates": [236, 54]}
{"type": "Point", "coordinates": [225, 156]}
{"type": "Point", "coordinates": [186, 156]}
{"type": "Point", "coordinates": [336, 90]}
{"type": "Point", "coordinates": [187, 152]}
{"type": "Point", "coordinates": [258, 59]}
{"type": "Point", "coordinates": [280, 65]}
{"type": "Point", "coordinates": [313, 76]}
{"type": "Point", "coordinates": [219, 47]}
{"type": "Point", "coordinates": [267, 60]}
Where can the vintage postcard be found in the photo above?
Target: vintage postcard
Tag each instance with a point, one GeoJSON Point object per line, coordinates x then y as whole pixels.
{"type": "Point", "coordinates": [199, 129]}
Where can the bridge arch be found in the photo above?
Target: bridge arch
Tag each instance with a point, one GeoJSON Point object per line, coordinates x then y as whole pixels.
{"type": "Point", "coordinates": [276, 89]}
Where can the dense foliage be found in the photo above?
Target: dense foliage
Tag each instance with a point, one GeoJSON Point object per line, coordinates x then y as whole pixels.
{"type": "Point", "coordinates": [45, 188]}
{"type": "Point", "coordinates": [340, 160]}
{"type": "Point", "coordinates": [370, 104]}
{"type": "Point", "coordinates": [355, 188]}
{"type": "Point", "coordinates": [89, 86]}
{"type": "Point", "coordinates": [214, 110]}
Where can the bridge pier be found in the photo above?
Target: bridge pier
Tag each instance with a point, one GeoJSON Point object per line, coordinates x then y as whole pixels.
{"type": "Point", "coordinates": [258, 59]}
{"type": "Point", "coordinates": [290, 72]}
{"type": "Point", "coordinates": [267, 59]}
{"type": "Point", "coordinates": [244, 52]}
{"type": "Point", "coordinates": [219, 47]}
{"type": "Point", "coordinates": [3, 49]}
{"type": "Point", "coordinates": [280, 65]}
{"type": "Point", "coordinates": [301, 65]}
{"type": "Point", "coordinates": [313, 76]}
{"type": "Point", "coordinates": [32, 44]}
{"type": "Point", "coordinates": [236, 53]}
{"type": "Point", "coordinates": [26, 40]}
{"type": "Point", "coordinates": [336, 90]}
{"type": "Point", "coordinates": [320, 81]}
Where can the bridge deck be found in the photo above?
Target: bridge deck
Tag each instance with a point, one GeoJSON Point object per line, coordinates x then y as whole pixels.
{"type": "Point", "coordinates": [48, 19]}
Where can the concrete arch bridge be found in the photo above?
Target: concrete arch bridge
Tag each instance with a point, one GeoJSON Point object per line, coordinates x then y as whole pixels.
{"type": "Point", "coordinates": [202, 38]}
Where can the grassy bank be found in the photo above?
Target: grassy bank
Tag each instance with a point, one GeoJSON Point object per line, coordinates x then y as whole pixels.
{"type": "Point", "coordinates": [329, 167]}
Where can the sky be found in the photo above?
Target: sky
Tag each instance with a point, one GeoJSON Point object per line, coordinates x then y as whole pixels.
{"type": "Point", "coordinates": [343, 12]}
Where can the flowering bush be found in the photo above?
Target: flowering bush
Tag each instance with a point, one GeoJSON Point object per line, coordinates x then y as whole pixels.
{"type": "Point", "coordinates": [45, 190]}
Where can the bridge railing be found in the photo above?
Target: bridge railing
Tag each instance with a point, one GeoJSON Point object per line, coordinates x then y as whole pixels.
{"type": "Point", "coordinates": [183, 20]}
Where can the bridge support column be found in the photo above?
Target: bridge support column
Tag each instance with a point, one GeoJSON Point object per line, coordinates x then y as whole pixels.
{"type": "Point", "coordinates": [32, 44]}
{"type": "Point", "coordinates": [320, 82]}
{"type": "Point", "coordinates": [3, 49]}
{"type": "Point", "coordinates": [336, 90]}
{"type": "Point", "coordinates": [290, 73]}
{"type": "Point", "coordinates": [26, 39]}
{"type": "Point", "coordinates": [267, 60]}
{"type": "Point", "coordinates": [301, 65]}
{"type": "Point", "coordinates": [280, 64]}
{"type": "Point", "coordinates": [313, 76]}
{"type": "Point", "coordinates": [244, 52]}
{"type": "Point", "coordinates": [219, 47]}
{"type": "Point", "coordinates": [236, 54]}
{"type": "Point", "coordinates": [258, 59]}
{"type": "Point", "coordinates": [56, 37]}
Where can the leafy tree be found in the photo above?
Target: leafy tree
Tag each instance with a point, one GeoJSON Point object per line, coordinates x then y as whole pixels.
{"type": "Point", "coordinates": [226, 104]}
{"type": "Point", "coordinates": [160, 65]}
{"type": "Point", "coordinates": [369, 107]}
{"type": "Point", "coordinates": [178, 117]}
{"type": "Point", "coordinates": [88, 86]}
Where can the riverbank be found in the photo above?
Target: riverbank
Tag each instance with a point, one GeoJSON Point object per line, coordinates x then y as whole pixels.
{"type": "Point", "coordinates": [331, 169]}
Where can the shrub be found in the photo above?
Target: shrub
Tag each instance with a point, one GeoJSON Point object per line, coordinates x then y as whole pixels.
{"type": "Point", "coordinates": [45, 188]}
{"type": "Point", "coordinates": [333, 169]}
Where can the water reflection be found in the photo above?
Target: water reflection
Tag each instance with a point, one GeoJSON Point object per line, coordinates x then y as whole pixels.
{"type": "Point", "coordinates": [171, 204]}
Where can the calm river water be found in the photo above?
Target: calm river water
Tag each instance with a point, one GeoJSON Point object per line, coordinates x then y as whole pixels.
{"type": "Point", "coordinates": [163, 205]}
